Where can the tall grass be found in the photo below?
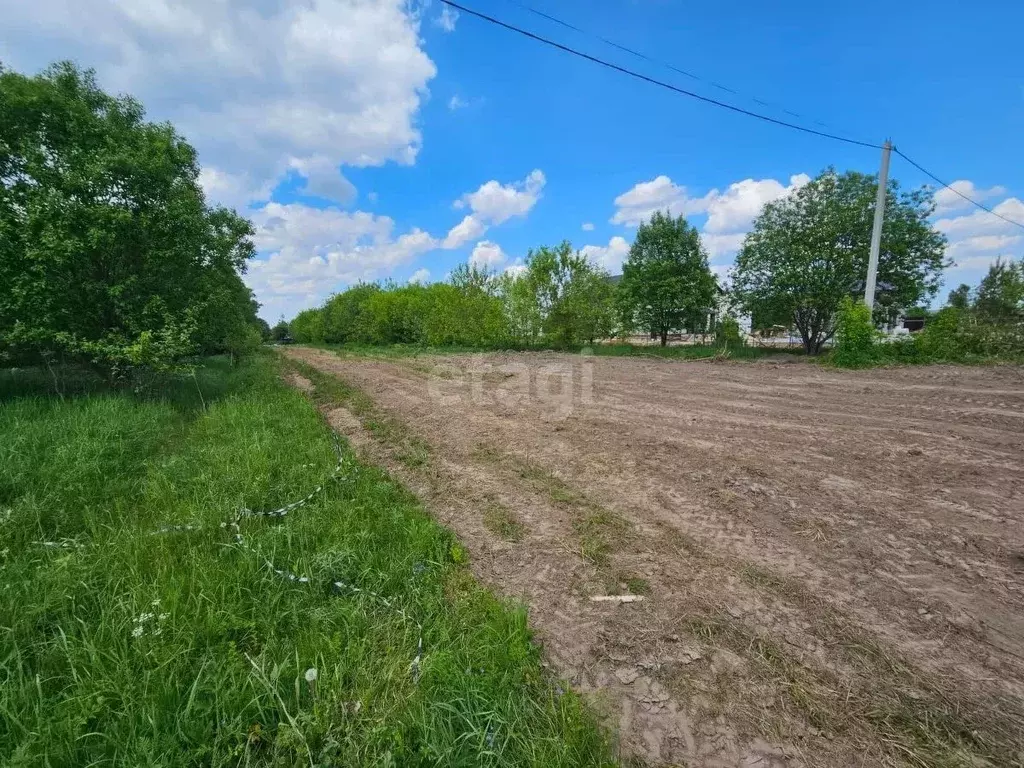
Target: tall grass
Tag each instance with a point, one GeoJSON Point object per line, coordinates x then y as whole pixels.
{"type": "Point", "coordinates": [127, 646]}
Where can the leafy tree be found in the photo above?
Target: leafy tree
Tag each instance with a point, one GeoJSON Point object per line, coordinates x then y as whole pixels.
{"type": "Point", "coordinates": [1000, 296]}
{"type": "Point", "coordinates": [345, 318]}
{"type": "Point", "coordinates": [666, 283]}
{"type": "Point", "coordinates": [562, 297]}
{"type": "Point", "coordinates": [960, 297]}
{"type": "Point", "coordinates": [467, 310]}
{"type": "Point", "coordinates": [108, 252]}
{"type": "Point", "coordinates": [519, 304]}
{"type": "Point", "coordinates": [587, 311]}
{"type": "Point", "coordinates": [243, 339]}
{"type": "Point", "coordinates": [809, 250]}
{"type": "Point", "coordinates": [280, 331]}
{"type": "Point", "coordinates": [308, 326]}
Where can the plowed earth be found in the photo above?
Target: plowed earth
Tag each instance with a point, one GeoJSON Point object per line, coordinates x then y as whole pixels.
{"type": "Point", "coordinates": [831, 564]}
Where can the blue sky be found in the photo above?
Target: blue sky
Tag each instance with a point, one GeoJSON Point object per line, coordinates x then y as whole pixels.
{"type": "Point", "coordinates": [384, 139]}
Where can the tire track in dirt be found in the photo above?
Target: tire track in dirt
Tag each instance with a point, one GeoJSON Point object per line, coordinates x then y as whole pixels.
{"type": "Point", "coordinates": [778, 592]}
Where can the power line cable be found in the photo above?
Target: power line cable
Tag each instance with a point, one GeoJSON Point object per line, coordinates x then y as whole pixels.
{"type": "Point", "coordinates": [705, 99]}
{"type": "Point", "coordinates": [653, 81]}
{"type": "Point", "coordinates": [659, 62]}
{"type": "Point", "coordinates": [956, 191]}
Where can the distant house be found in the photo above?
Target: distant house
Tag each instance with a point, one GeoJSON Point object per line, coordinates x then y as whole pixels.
{"type": "Point", "coordinates": [910, 322]}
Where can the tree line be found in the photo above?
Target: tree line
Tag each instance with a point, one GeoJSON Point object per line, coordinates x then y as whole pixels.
{"type": "Point", "coordinates": [557, 299]}
{"type": "Point", "coordinates": [109, 254]}
{"type": "Point", "coordinates": [804, 256]}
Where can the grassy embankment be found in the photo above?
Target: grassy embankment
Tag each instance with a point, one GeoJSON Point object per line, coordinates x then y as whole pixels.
{"type": "Point", "coordinates": [125, 642]}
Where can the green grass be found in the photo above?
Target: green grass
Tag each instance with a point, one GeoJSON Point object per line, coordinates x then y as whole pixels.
{"type": "Point", "coordinates": [396, 350]}
{"type": "Point", "coordinates": [694, 352]}
{"type": "Point", "coordinates": [503, 522]}
{"type": "Point", "coordinates": [184, 648]}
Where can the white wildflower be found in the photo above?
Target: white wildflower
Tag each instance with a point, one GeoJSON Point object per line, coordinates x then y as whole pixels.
{"type": "Point", "coordinates": [311, 675]}
{"type": "Point", "coordinates": [137, 632]}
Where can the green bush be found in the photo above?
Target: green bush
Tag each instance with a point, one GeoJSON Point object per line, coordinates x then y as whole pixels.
{"type": "Point", "coordinates": [856, 337]}
{"type": "Point", "coordinates": [946, 336]}
{"type": "Point", "coordinates": [727, 333]}
{"type": "Point", "coordinates": [562, 300]}
{"type": "Point", "coordinates": [109, 255]}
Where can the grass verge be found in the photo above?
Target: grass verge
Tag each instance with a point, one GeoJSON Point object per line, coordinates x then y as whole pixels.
{"type": "Point", "coordinates": [689, 352]}
{"type": "Point", "coordinates": [129, 647]}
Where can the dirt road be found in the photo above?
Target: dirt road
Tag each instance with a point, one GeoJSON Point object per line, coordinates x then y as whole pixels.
{"type": "Point", "coordinates": [831, 563]}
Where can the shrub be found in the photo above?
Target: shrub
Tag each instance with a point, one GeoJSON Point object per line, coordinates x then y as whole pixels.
{"type": "Point", "coordinates": [727, 334]}
{"type": "Point", "coordinates": [856, 337]}
{"type": "Point", "coordinates": [946, 336]}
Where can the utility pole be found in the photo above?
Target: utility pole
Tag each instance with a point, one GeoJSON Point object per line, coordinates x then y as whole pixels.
{"type": "Point", "coordinates": [876, 230]}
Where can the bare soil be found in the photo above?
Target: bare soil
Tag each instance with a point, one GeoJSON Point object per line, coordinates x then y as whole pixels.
{"type": "Point", "coordinates": [831, 563]}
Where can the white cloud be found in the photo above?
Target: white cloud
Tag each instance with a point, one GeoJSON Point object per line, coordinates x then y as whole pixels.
{"type": "Point", "coordinates": [457, 102]}
{"type": "Point", "coordinates": [947, 201]}
{"type": "Point", "coordinates": [739, 205]}
{"type": "Point", "coordinates": [729, 214]}
{"type": "Point", "coordinates": [587, 226]}
{"type": "Point", "coordinates": [517, 270]}
{"type": "Point", "coordinates": [233, 190]}
{"type": "Point", "coordinates": [468, 229]}
{"type": "Point", "coordinates": [660, 194]}
{"type": "Point", "coordinates": [730, 211]}
{"type": "Point", "coordinates": [420, 277]}
{"type": "Point", "coordinates": [314, 252]}
{"type": "Point", "coordinates": [260, 89]}
{"type": "Point", "coordinates": [983, 244]}
{"type": "Point", "coordinates": [978, 239]}
{"type": "Point", "coordinates": [494, 203]}
{"type": "Point", "coordinates": [969, 269]}
{"type": "Point", "coordinates": [447, 18]}
{"type": "Point", "coordinates": [295, 225]}
{"type": "Point", "coordinates": [608, 257]}
{"type": "Point", "coordinates": [324, 178]}
{"type": "Point", "coordinates": [984, 223]}
{"type": "Point", "coordinates": [372, 197]}
{"type": "Point", "coordinates": [722, 247]}
{"type": "Point", "coordinates": [487, 255]}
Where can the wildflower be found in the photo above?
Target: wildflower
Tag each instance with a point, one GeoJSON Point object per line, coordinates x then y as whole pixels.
{"type": "Point", "coordinates": [137, 632]}
{"type": "Point", "coordinates": [311, 675]}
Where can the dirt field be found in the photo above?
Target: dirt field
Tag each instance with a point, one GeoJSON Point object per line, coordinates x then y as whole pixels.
{"type": "Point", "coordinates": [831, 563]}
